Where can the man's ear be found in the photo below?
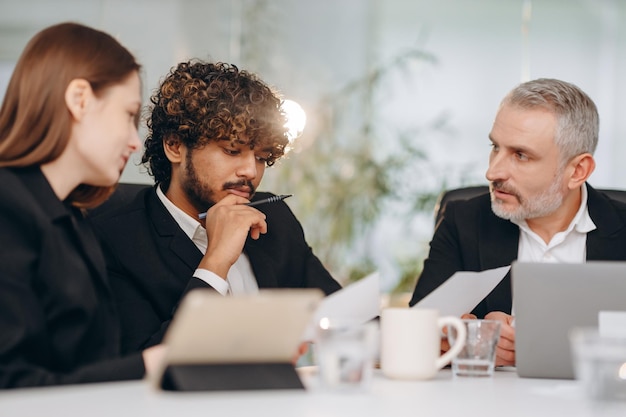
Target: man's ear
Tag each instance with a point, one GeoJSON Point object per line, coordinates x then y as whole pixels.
{"type": "Point", "coordinates": [582, 166]}
{"type": "Point", "coordinates": [77, 96]}
{"type": "Point", "coordinates": [173, 150]}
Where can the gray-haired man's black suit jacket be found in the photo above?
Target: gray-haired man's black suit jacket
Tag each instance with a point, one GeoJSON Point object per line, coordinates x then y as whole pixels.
{"type": "Point", "coordinates": [470, 237]}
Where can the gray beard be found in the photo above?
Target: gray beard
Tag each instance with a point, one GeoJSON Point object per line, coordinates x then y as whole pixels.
{"type": "Point", "coordinates": [541, 205]}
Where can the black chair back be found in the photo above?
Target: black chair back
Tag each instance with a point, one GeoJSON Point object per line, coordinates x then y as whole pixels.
{"type": "Point", "coordinates": [464, 193]}
{"type": "Point", "coordinates": [123, 194]}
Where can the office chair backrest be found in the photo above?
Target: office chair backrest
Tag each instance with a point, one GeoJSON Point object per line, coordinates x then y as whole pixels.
{"type": "Point", "coordinates": [619, 195]}
{"type": "Point", "coordinates": [465, 193]}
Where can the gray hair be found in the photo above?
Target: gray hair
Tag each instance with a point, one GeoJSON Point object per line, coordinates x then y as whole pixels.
{"type": "Point", "coordinates": [577, 117]}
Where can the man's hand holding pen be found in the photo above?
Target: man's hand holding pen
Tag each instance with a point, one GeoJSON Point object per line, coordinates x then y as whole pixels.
{"type": "Point", "coordinates": [228, 224]}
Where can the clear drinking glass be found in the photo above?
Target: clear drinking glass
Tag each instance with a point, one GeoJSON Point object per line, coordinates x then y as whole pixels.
{"type": "Point", "coordinates": [599, 363]}
{"type": "Point", "coordinates": [477, 358]}
{"type": "Point", "coordinates": [344, 352]}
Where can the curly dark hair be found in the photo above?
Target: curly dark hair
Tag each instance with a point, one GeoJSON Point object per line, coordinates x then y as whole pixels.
{"type": "Point", "coordinates": [200, 102]}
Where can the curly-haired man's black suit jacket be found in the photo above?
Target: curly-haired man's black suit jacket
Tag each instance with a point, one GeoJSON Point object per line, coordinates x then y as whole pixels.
{"type": "Point", "coordinates": [151, 261]}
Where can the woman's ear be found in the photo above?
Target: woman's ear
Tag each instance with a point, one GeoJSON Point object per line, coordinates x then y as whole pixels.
{"type": "Point", "coordinates": [77, 96]}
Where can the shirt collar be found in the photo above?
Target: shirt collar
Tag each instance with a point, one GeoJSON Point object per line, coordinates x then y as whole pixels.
{"type": "Point", "coordinates": [581, 222]}
{"type": "Point", "coordinates": [188, 224]}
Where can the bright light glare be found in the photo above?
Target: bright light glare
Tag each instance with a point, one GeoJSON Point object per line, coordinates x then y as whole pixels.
{"type": "Point", "coordinates": [296, 119]}
{"type": "Point", "coordinates": [325, 323]}
{"type": "Point", "coordinates": [622, 371]}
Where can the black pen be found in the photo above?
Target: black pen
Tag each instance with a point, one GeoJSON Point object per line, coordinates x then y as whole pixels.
{"type": "Point", "coordinates": [256, 203]}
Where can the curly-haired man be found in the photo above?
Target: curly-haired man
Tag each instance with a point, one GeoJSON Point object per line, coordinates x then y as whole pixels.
{"type": "Point", "coordinates": [213, 129]}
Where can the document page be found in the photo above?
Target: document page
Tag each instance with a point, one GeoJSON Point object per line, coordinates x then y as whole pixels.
{"type": "Point", "coordinates": [358, 302]}
{"type": "Point", "coordinates": [612, 323]}
{"type": "Point", "coordinates": [463, 291]}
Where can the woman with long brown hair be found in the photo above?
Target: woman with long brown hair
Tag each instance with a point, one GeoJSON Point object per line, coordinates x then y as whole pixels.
{"type": "Point", "coordinates": [68, 125]}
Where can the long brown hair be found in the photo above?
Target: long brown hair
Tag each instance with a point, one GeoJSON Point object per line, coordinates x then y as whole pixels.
{"type": "Point", "coordinates": [35, 123]}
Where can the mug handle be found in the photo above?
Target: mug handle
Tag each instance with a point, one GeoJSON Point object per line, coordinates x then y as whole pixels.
{"type": "Point", "coordinates": [455, 349]}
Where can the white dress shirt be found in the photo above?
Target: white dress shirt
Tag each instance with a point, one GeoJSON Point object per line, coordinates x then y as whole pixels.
{"type": "Point", "coordinates": [568, 246]}
{"type": "Point", "coordinates": [240, 278]}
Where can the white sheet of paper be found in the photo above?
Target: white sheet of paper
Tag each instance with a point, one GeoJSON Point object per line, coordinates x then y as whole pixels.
{"type": "Point", "coordinates": [358, 302]}
{"type": "Point", "coordinates": [612, 323]}
{"type": "Point", "coordinates": [463, 291]}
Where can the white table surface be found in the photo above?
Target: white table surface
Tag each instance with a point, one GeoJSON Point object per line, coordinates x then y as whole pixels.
{"type": "Point", "coordinates": [504, 395]}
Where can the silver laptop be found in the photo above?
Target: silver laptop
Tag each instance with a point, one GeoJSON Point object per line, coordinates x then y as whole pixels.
{"type": "Point", "coordinates": [549, 300]}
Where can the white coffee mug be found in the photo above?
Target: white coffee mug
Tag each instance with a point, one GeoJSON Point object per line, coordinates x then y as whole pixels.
{"type": "Point", "coordinates": [411, 342]}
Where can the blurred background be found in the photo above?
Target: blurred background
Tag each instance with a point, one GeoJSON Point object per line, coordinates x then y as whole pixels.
{"type": "Point", "coordinates": [399, 96]}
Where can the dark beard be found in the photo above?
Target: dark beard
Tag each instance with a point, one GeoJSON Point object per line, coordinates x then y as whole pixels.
{"type": "Point", "coordinates": [201, 197]}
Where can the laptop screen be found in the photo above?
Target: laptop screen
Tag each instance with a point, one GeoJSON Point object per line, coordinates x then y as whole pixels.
{"type": "Point", "coordinates": [551, 299]}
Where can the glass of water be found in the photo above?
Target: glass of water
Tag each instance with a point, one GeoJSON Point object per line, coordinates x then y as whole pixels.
{"type": "Point", "coordinates": [478, 357]}
{"type": "Point", "coordinates": [344, 352]}
{"type": "Point", "coordinates": [600, 363]}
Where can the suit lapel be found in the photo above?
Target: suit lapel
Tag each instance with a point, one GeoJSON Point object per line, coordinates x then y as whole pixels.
{"type": "Point", "coordinates": [499, 243]}
{"type": "Point", "coordinates": [601, 244]}
{"type": "Point", "coordinates": [71, 218]}
{"type": "Point", "coordinates": [171, 237]}
{"type": "Point", "coordinates": [263, 265]}
{"type": "Point", "coordinates": [498, 240]}
{"type": "Point", "coordinates": [88, 245]}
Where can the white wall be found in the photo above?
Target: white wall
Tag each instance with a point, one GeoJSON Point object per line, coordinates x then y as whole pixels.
{"type": "Point", "coordinates": [318, 46]}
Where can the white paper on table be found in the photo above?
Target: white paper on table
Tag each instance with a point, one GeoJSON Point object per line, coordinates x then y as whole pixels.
{"type": "Point", "coordinates": [358, 302]}
{"type": "Point", "coordinates": [463, 291]}
{"type": "Point", "coordinates": [612, 323]}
